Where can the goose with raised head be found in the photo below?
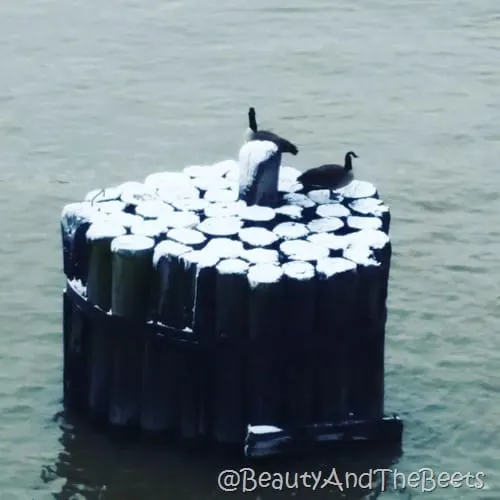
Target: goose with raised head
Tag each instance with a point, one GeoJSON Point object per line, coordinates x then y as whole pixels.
{"type": "Point", "coordinates": [254, 134]}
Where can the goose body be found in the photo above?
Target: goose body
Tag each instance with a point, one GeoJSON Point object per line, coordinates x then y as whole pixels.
{"type": "Point", "coordinates": [254, 134]}
{"type": "Point", "coordinates": [329, 176]}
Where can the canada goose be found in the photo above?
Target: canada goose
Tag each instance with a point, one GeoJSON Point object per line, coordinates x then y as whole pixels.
{"type": "Point", "coordinates": [264, 135]}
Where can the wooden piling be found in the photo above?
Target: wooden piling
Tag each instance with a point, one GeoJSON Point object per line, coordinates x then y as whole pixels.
{"type": "Point", "coordinates": [160, 377]}
{"type": "Point", "coordinates": [366, 393]}
{"type": "Point", "coordinates": [259, 171]}
{"type": "Point", "coordinates": [335, 309]}
{"type": "Point", "coordinates": [132, 273]}
{"type": "Point", "coordinates": [201, 313]}
{"type": "Point", "coordinates": [228, 418]}
{"type": "Point", "coordinates": [265, 303]}
{"type": "Point", "coordinates": [297, 354]}
{"type": "Point", "coordinates": [76, 219]}
{"type": "Point", "coordinates": [169, 272]}
{"type": "Point", "coordinates": [99, 293]}
{"type": "Point", "coordinates": [196, 400]}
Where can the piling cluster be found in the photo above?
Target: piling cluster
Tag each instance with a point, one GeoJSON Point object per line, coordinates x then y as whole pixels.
{"type": "Point", "coordinates": [189, 311]}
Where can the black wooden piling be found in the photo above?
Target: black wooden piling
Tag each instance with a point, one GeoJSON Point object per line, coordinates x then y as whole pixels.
{"type": "Point", "coordinates": [366, 392]}
{"type": "Point", "coordinates": [298, 356]}
{"type": "Point", "coordinates": [192, 313]}
{"type": "Point", "coordinates": [169, 272]}
{"type": "Point", "coordinates": [259, 163]}
{"type": "Point", "coordinates": [99, 293]}
{"type": "Point", "coordinates": [76, 219]}
{"type": "Point", "coordinates": [199, 372]}
{"type": "Point", "coordinates": [265, 303]}
{"type": "Point", "coordinates": [228, 417]}
{"type": "Point", "coordinates": [132, 273]}
{"type": "Point", "coordinates": [334, 313]}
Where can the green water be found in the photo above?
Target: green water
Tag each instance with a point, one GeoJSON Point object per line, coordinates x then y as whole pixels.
{"type": "Point", "coordinates": [95, 93]}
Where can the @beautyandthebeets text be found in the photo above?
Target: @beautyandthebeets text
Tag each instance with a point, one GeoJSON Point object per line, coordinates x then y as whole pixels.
{"type": "Point", "coordinates": [425, 480]}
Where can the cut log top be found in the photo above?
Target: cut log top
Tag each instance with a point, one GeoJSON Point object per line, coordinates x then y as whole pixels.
{"type": "Point", "coordinates": [168, 248]}
{"type": "Point", "coordinates": [153, 209]}
{"type": "Point", "coordinates": [357, 222]}
{"type": "Point", "coordinates": [150, 227]}
{"type": "Point", "coordinates": [358, 189]}
{"type": "Point", "coordinates": [112, 206]}
{"type": "Point", "coordinates": [323, 197]}
{"type": "Point", "coordinates": [221, 209]}
{"type": "Point", "coordinates": [134, 193]}
{"type": "Point", "coordinates": [232, 266]}
{"type": "Point", "coordinates": [223, 195]}
{"type": "Point", "coordinates": [258, 236]}
{"type": "Point", "coordinates": [220, 226]}
{"type": "Point", "coordinates": [360, 254]}
{"type": "Point", "coordinates": [181, 219]}
{"type": "Point", "coordinates": [291, 230]}
{"type": "Point", "coordinates": [257, 213]}
{"type": "Point", "coordinates": [325, 225]}
{"type": "Point", "coordinates": [298, 199]}
{"type": "Point", "coordinates": [292, 212]}
{"type": "Point", "coordinates": [131, 244]}
{"type": "Point", "coordinates": [105, 230]}
{"type": "Point", "coordinates": [304, 250]}
{"type": "Point", "coordinates": [298, 270]}
{"type": "Point", "coordinates": [224, 248]}
{"type": "Point", "coordinates": [371, 238]}
{"type": "Point", "coordinates": [369, 206]}
{"type": "Point", "coordinates": [326, 268]}
{"type": "Point", "coordinates": [259, 274]}
{"type": "Point", "coordinates": [196, 205]}
{"type": "Point", "coordinates": [187, 236]}
{"type": "Point", "coordinates": [332, 210]}
{"type": "Point", "coordinates": [261, 256]}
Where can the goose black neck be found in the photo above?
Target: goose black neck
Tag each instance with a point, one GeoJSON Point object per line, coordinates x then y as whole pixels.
{"type": "Point", "coordinates": [348, 162]}
{"type": "Point", "coordinates": [252, 121]}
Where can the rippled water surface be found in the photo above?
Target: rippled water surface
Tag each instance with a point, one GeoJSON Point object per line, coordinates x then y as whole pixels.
{"type": "Point", "coordinates": [94, 93]}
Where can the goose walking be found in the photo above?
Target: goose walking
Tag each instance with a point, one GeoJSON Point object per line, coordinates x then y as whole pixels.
{"type": "Point", "coordinates": [330, 176]}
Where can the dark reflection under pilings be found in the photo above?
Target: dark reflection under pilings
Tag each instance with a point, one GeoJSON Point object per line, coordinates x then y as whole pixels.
{"type": "Point", "coordinates": [94, 465]}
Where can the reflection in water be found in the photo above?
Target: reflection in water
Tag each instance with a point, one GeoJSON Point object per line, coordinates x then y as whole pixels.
{"type": "Point", "coordinates": [95, 466]}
